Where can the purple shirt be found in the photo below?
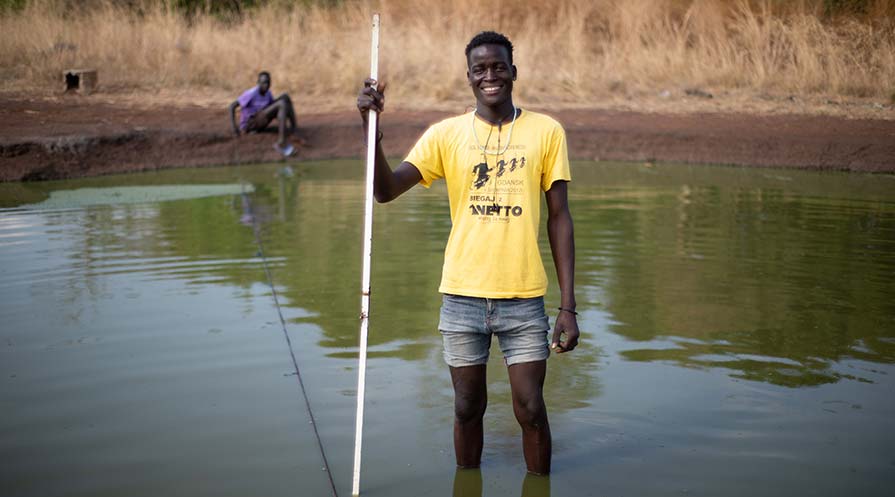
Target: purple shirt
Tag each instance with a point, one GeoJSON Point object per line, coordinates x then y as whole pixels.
{"type": "Point", "coordinates": [252, 101]}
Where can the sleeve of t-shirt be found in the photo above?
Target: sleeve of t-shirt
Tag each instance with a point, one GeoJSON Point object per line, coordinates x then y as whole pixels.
{"type": "Point", "coordinates": [426, 156]}
{"type": "Point", "coordinates": [556, 161]}
{"type": "Point", "coordinates": [246, 97]}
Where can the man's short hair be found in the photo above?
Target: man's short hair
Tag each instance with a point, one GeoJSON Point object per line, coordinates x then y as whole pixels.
{"type": "Point", "coordinates": [489, 38]}
{"type": "Point", "coordinates": [263, 73]}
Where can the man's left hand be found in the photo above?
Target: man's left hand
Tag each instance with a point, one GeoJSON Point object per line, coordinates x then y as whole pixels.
{"type": "Point", "coordinates": [566, 324]}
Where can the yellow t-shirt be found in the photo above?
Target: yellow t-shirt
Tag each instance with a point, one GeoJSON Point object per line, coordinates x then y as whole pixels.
{"type": "Point", "coordinates": [492, 251]}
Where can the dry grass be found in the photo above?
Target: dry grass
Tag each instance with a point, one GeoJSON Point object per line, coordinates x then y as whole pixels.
{"type": "Point", "coordinates": [569, 52]}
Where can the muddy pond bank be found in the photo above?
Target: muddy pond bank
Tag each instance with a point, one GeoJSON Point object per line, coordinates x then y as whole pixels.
{"type": "Point", "coordinates": [59, 138]}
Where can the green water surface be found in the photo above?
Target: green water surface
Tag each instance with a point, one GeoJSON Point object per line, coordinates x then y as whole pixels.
{"type": "Point", "coordinates": [738, 337]}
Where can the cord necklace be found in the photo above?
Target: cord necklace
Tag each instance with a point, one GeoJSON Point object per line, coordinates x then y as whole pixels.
{"type": "Point", "coordinates": [509, 136]}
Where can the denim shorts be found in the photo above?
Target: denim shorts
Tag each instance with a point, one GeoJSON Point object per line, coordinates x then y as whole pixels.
{"type": "Point", "coordinates": [466, 325]}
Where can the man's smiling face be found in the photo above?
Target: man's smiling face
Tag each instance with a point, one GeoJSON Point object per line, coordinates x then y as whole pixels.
{"type": "Point", "coordinates": [490, 74]}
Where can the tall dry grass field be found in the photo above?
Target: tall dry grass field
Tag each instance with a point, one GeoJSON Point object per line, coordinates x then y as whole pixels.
{"type": "Point", "coordinates": [567, 51]}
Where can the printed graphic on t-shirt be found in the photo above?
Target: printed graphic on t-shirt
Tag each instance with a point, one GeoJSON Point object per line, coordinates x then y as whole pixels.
{"type": "Point", "coordinates": [497, 182]}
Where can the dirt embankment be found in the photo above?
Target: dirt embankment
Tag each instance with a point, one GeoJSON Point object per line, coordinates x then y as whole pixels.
{"type": "Point", "coordinates": [44, 139]}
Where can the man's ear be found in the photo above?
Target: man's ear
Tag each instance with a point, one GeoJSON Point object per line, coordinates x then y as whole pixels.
{"type": "Point", "coordinates": [514, 73]}
{"type": "Point", "coordinates": [467, 79]}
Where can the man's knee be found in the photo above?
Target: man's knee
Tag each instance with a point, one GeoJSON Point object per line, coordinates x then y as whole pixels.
{"type": "Point", "coordinates": [530, 412]}
{"type": "Point", "coordinates": [468, 408]}
{"type": "Point", "coordinates": [284, 98]}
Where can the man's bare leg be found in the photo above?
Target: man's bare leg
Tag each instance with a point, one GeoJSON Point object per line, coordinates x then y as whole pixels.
{"type": "Point", "coordinates": [290, 113]}
{"type": "Point", "coordinates": [281, 110]}
{"type": "Point", "coordinates": [470, 401]}
{"type": "Point", "coordinates": [527, 384]}
{"type": "Point", "coordinates": [285, 115]}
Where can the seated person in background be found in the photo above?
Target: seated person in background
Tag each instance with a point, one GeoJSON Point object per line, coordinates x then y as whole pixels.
{"type": "Point", "coordinates": [258, 108]}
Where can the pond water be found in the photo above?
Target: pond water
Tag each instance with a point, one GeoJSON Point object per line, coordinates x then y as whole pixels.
{"type": "Point", "coordinates": [738, 337]}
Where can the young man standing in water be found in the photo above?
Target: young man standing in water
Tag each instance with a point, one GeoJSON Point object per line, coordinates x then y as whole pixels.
{"type": "Point", "coordinates": [258, 109]}
{"type": "Point", "coordinates": [496, 162]}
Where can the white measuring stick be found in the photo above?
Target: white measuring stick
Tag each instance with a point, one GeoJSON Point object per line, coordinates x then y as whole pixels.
{"type": "Point", "coordinates": [365, 278]}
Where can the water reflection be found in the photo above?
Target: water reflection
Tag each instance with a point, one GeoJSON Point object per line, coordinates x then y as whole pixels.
{"type": "Point", "coordinates": [793, 281]}
{"type": "Point", "coordinates": [689, 281]}
{"type": "Point", "coordinates": [468, 483]}
{"type": "Point", "coordinates": [774, 277]}
{"type": "Point", "coordinates": [750, 276]}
